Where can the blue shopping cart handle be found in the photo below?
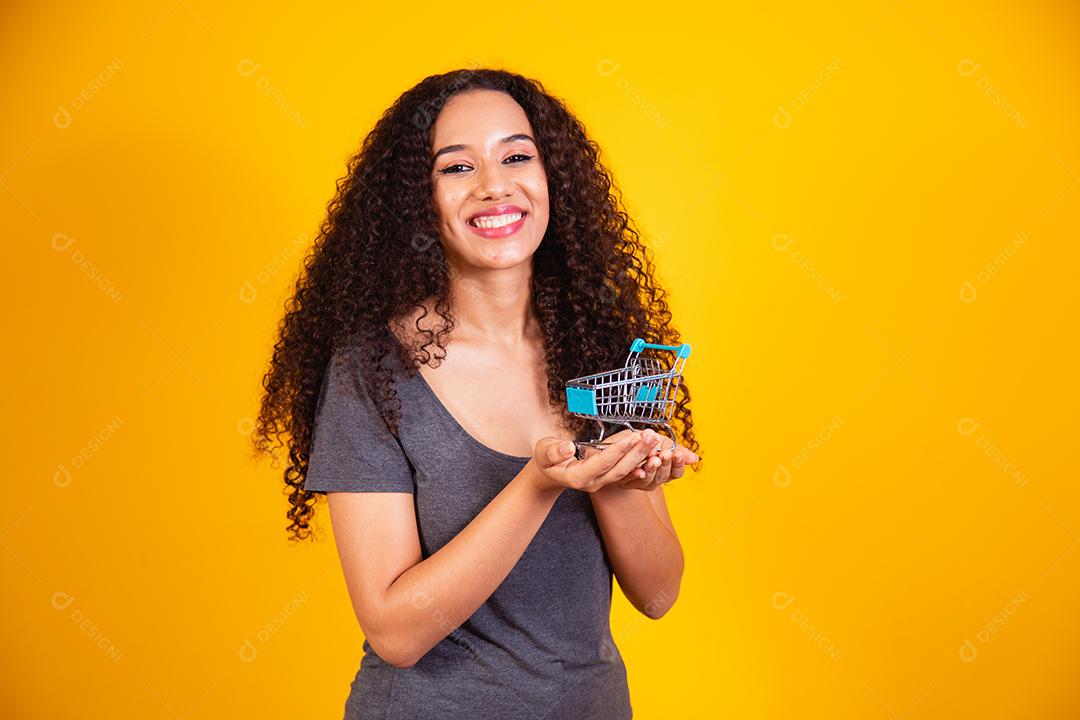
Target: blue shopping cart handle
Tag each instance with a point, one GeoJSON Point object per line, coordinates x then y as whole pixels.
{"type": "Point", "coordinates": [639, 344]}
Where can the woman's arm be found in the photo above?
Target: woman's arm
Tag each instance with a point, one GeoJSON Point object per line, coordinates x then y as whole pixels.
{"type": "Point", "coordinates": [645, 553]}
{"type": "Point", "coordinates": [406, 603]}
{"type": "Point", "coordinates": [640, 539]}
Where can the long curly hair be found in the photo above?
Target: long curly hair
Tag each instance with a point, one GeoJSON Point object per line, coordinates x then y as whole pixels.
{"type": "Point", "coordinates": [376, 259]}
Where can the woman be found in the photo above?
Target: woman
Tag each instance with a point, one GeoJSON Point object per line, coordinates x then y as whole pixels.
{"type": "Point", "coordinates": [477, 548]}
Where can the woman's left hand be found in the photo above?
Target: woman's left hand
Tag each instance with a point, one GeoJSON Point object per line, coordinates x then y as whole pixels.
{"type": "Point", "coordinates": [658, 468]}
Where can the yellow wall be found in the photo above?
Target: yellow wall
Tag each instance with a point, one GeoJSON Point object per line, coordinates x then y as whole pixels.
{"type": "Point", "coordinates": [868, 216]}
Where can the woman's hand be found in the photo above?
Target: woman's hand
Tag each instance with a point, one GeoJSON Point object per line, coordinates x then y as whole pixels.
{"type": "Point", "coordinates": [659, 469]}
{"type": "Point", "coordinates": [659, 466]}
{"type": "Point", "coordinates": [559, 469]}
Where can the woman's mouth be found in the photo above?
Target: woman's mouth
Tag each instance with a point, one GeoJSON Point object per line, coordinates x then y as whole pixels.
{"type": "Point", "coordinates": [497, 226]}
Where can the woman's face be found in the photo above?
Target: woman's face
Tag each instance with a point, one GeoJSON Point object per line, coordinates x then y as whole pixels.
{"type": "Point", "coordinates": [486, 165]}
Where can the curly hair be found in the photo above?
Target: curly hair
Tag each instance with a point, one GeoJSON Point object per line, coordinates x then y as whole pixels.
{"type": "Point", "coordinates": [375, 260]}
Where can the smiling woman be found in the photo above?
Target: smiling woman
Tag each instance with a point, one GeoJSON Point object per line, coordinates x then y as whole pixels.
{"type": "Point", "coordinates": [488, 180]}
{"type": "Point", "coordinates": [474, 259]}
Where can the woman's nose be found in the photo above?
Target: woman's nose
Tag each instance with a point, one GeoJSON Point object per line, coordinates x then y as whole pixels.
{"type": "Point", "coordinates": [492, 181]}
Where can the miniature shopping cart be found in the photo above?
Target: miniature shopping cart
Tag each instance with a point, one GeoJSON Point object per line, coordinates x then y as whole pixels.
{"type": "Point", "coordinates": [642, 391]}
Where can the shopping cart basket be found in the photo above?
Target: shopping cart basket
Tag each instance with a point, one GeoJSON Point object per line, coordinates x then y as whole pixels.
{"type": "Point", "coordinates": [642, 391]}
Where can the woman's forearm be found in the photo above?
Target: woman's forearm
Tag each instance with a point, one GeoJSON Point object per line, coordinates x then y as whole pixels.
{"type": "Point", "coordinates": [430, 599]}
{"type": "Point", "coordinates": [645, 554]}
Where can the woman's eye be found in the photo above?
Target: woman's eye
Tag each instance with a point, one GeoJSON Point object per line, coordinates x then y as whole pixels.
{"type": "Point", "coordinates": [450, 169]}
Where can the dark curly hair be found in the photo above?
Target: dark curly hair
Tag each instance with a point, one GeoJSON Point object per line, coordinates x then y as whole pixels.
{"type": "Point", "coordinates": [376, 260]}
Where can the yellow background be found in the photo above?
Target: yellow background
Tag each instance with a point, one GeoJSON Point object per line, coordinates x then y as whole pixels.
{"type": "Point", "coordinates": [868, 216]}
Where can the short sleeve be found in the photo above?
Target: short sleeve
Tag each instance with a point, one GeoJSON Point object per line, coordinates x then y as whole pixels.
{"type": "Point", "coordinates": [352, 449]}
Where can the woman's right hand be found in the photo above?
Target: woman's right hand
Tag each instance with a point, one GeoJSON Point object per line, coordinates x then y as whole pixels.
{"type": "Point", "coordinates": [559, 469]}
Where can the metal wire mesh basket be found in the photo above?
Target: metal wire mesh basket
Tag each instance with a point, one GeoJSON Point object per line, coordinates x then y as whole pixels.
{"type": "Point", "coordinates": [642, 391]}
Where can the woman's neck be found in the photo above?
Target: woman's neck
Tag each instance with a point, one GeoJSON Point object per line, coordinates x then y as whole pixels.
{"type": "Point", "coordinates": [494, 305]}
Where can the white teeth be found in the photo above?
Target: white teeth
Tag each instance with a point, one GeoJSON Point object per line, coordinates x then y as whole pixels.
{"type": "Point", "coordinates": [495, 221]}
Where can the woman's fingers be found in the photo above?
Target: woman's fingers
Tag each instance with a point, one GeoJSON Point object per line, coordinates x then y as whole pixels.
{"type": "Point", "coordinates": [656, 471]}
{"type": "Point", "coordinates": [677, 466]}
{"type": "Point", "coordinates": [683, 457]}
{"type": "Point", "coordinates": [615, 462]}
{"type": "Point", "coordinates": [648, 471]}
{"type": "Point", "coordinates": [667, 465]}
{"type": "Point", "coordinates": [663, 472]}
{"type": "Point", "coordinates": [557, 452]}
{"type": "Point", "coordinates": [599, 462]}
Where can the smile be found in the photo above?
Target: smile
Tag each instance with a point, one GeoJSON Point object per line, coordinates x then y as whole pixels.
{"type": "Point", "coordinates": [494, 221]}
{"type": "Point", "coordinates": [497, 226]}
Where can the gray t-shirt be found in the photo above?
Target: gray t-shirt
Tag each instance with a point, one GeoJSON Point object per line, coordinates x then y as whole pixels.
{"type": "Point", "coordinates": [540, 646]}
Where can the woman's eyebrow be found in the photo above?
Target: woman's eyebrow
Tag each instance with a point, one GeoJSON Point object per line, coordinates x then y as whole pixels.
{"type": "Point", "coordinates": [508, 138]}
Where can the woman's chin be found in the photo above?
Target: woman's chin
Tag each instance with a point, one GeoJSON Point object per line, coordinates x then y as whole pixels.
{"type": "Point", "coordinates": [504, 253]}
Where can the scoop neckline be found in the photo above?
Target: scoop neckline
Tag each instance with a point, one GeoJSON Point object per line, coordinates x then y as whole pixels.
{"type": "Point", "coordinates": [461, 429]}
